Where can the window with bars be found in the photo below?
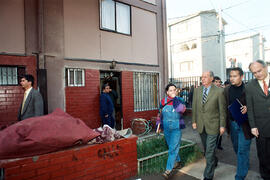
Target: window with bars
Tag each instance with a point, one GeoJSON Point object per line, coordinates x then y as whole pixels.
{"type": "Point", "coordinates": [10, 75]}
{"type": "Point", "coordinates": [75, 77]}
{"type": "Point", "coordinates": [115, 16]}
{"type": "Point", "coordinates": [146, 91]}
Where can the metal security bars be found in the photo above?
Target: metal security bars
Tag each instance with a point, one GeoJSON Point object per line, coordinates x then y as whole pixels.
{"type": "Point", "coordinates": [75, 77]}
{"type": "Point", "coordinates": [9, 75]}
{"type": "Point", "coordinates": [146, 91]}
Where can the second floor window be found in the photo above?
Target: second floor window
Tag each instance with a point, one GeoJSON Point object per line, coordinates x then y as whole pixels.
{"type": "Point", "coordinates": [115, 16]}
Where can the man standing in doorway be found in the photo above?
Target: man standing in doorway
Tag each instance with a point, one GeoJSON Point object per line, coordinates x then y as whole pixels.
{"type": "Point", "coordinates": [208, 117]}
{"type": "Point", "coordinates": [106, 106]}
{"type": "Point", "coordinates": [258, 107]}
{"type": "Point", "coordinates": [239, 132]}
{"type": "Point", "coordinates": [32, 104]}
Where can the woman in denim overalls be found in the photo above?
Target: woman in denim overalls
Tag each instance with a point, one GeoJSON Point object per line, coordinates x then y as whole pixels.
{"type": "Point", "coordinates": [172, 106]}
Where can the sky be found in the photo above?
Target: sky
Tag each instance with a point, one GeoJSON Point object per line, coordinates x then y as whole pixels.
{"type": "Point", "coordinates": [244, 17]}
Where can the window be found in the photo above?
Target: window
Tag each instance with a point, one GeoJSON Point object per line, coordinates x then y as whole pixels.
{"type": "Point", "coordinates": [115, 16]}
{"type": "Point", "coordinates": [146, 94]}
{"type": "Point", "coordinates": [75, 77]}
{"type": "Point", "coordinates": [184, 47]}
{"type": "Point", "coordinates": [194, 46]}
{"type": "Point", "coordinates": [9, 75]}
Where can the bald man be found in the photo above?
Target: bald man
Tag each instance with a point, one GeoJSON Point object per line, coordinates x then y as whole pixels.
{"type": "Point", "coordinates": [209, 118]}
{"type": "Point", "coordinates": [258, 107]}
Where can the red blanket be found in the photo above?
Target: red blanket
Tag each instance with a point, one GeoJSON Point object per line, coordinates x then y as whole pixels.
{"type": "Point", "coordinates": [44, 134]}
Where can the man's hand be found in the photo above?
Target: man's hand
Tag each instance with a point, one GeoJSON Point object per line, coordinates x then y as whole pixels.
{"type": "Point", "coordinates": [255, 132]}
{"type": "Point", "coordinates": [194, 125]}
{"type": "Point", "coordinates": [221, 130]}
{"type": "Point", "coordinates": [244, 109]}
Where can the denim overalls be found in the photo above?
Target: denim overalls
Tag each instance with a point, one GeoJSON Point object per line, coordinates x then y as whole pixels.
{"type": "Point", "coordinates": [172, 134]}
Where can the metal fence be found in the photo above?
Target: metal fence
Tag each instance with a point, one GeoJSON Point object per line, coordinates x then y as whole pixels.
{"type": "Point", "coordinates": [157, 162]}
{"type": "Point", "coordinates": [186, 85]}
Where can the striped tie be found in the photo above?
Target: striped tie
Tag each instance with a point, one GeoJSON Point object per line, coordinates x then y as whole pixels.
{"type": "Point", "coordinates": [204, 96]}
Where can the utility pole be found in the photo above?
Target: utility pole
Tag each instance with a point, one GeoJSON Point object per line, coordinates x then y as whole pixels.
{"type": "Point", "coordinates": [170, 45]}
{"type": "Point", "coordinates": [222, 48]}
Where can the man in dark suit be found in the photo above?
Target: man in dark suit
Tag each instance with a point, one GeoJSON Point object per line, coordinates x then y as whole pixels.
{"type": "Point", "coordinates": [240, 132]}
{"type": "Point", "coordinates": [258, 107]}
{"type": "Point", "coordinates": [106, 107]}
{"type": "Point", "coordinates": [208, 117]}
{"type": "Point", "coordinates": [32, 104]}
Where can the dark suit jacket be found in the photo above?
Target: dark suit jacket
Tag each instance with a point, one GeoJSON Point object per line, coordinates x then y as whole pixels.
{"type": "Point", "coordinates": [212, 114]}
{"type": "Point", "coordinates": [245, 125]}
{"type": "Point", "coordinates": [258, 105]}
{"type": "Point", "coordinates": [33, 106]}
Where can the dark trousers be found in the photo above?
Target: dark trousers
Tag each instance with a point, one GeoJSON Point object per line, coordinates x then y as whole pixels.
{"type": "Point", "coordinates": [263, 150]}
{"type": "Point", "coordinates": [209, 144]}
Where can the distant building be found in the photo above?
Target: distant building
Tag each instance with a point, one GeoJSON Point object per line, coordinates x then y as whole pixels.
{"type": "Point", "coordinates": [194, 45]}
{"type": "Point", "coordinates": [267, 57]}
{"type": "Point", "coordinates": [242, 51]}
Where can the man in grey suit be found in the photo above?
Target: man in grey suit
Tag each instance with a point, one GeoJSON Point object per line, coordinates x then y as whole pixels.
{"type": "Point", "coordinates": [209, 118]}
{"type": "Point", "coordinates": [32, 104]}
{"type": "Point", "coordinates": [258, 106]}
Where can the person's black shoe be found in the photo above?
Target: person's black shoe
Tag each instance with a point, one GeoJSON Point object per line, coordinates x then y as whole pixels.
{"type": "Point", "coordinates": [177, 165]}
{"type": "Point", "coordinates": [167, 174]}
{"type": "Point", "coordinates": [220, 147]}
{"type": "Point", "coordinates": [216, 162]}
{"type": "Point", "coordinates": [207, 179]}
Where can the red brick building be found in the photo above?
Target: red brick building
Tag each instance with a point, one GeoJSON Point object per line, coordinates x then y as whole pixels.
{"type": "Point", "coordinates": [73, 47]}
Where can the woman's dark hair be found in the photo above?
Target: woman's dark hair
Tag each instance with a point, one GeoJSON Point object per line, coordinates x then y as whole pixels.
{"type": "Point", "coordinates": [168, 86]}
{"type": "Point", "coordinates": [104, 86]}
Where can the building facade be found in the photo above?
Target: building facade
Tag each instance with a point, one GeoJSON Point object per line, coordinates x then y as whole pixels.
{"type": "Point", "coordinates": [196, 44]}
{"type": "Point", "coordinates": [73, 47]}
{"type": "Point", "coordinates": [240, 52]}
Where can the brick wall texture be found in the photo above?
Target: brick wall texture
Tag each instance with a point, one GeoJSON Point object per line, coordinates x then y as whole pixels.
{"type": "Point", "coordinates": [83, 102]}
{"type": "Point", "coordinates": [113, 160]}
{"type": "Point", "coordinates": [128, 101]}
{"type": "Point", "coordinates": [11, 96]}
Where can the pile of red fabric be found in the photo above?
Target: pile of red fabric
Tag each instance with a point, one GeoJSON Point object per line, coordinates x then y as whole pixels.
{"type": "Point", "coordinates": [44, 134]}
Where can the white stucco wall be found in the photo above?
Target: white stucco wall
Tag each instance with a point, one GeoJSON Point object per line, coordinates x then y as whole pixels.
{"type": "Point", "coordinates": [244, 50]}
{"type": "Point", "coordinates": [186, 63]}
{"type": "Point", "coordinates": [201, 30]}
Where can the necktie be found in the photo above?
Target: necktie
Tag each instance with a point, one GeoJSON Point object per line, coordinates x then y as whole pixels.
{"type": "Point", "coordinates": [24, 98]}
{"type": "Point", "coordinates": [204, 96]}
{"type": "Point", "coordinates": [265, 88]}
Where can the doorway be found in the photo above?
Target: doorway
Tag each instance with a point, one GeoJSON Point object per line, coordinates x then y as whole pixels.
{"type": "Point", "coordinates": [113, 78]}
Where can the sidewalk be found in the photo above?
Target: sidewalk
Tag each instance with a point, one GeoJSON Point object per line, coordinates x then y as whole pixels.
{"type": "Point", "coordinates": [222, 172]}
{"type": "Point", "coordinates": [226, 168]}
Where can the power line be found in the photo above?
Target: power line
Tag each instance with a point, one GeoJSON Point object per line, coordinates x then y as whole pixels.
{"type": "Point", "coordinates": [258, 27]}
{"type": "Point", "coordinates": [237, 21]}
{"type": "Point", "coordinates": [235, 5]}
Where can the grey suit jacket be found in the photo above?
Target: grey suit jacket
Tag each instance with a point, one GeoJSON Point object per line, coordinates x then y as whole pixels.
{"type": "Point", "coordinates": [258, 106]}
{"type": "Point", "coordinates": [212, 114]}
{"type": "Point", "coordinates": [33, 106]}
